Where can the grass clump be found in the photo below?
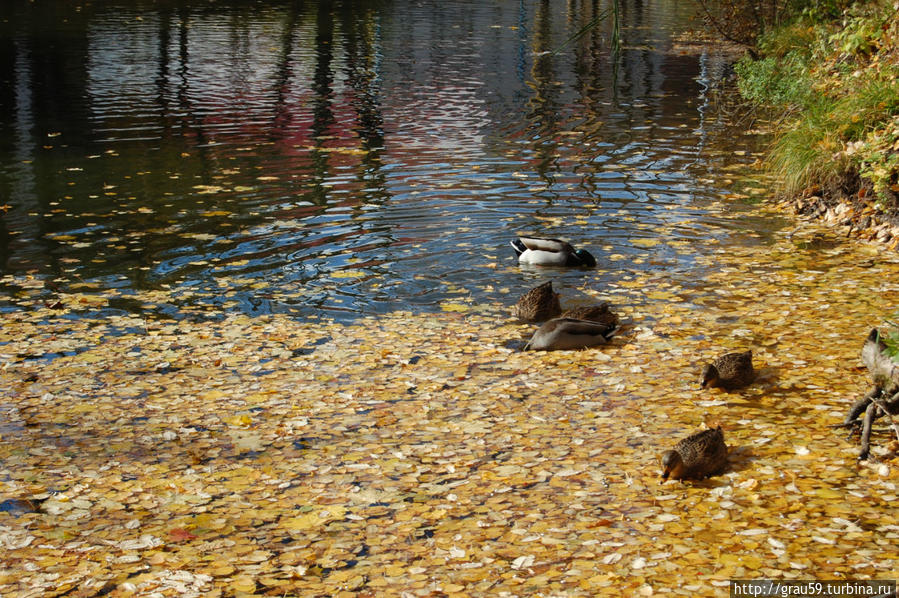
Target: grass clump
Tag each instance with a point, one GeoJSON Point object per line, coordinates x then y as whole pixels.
{"type": "Point", "coordinates": [837, 84]}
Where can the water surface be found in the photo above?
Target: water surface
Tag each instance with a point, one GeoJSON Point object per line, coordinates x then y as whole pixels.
{"type": "Point", "coordinates": [352, 158]}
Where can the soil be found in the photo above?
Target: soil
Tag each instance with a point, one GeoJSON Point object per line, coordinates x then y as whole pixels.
{"type": "Point", "coordinates": [851, 204]}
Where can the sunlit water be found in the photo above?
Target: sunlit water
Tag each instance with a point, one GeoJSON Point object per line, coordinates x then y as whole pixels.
{"type": "Point", "coordinates": [350, 158]}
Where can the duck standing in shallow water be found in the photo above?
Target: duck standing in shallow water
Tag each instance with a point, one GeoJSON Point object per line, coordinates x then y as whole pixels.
{"type": "Point", "coordinates": [538, 305]}
{"type": "Point", "coordinates": [566, 333]}
{"type": "Point", "coordinates": [696, 457]}
{"type": "Point", "coordinates": [539, 251]}
{"type": "Point", "coordinates": [729, 372]}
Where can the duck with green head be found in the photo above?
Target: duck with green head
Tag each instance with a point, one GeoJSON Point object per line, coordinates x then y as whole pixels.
{"type": "Point", "coordinates": [541, 251]}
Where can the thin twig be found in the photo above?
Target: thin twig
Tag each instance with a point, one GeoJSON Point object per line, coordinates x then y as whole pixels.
{"type": "Point", "coordinates": [880, 405]}
{"type": "Point", "coordinates": [582, 31]}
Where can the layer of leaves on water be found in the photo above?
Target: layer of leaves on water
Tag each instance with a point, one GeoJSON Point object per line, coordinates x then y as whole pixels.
{"type": "Point", "coordinates": [420, 453]}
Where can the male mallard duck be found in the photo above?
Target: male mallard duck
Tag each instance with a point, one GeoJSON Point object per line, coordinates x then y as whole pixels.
{"type": "Point", "coordinates": [593, 313]}
{"type": "Point", "coordinates": [730, 371]}
{"type": "Point", "coordinates": [697, 456]}
{"type": "Point", "coordinates": [538, 251]}
{"type": "Point", "coordinates": [566, 333]}
{"type": "Point", "coordinates": [538, 305]}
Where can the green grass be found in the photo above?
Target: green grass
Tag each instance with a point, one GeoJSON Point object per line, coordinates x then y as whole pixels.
{"type": "Point", "coordinates": [803, 155]}
{"type": "Point", "coordinates": [838, 97]}
{"type": "Point", "coordinates": [891, 339]}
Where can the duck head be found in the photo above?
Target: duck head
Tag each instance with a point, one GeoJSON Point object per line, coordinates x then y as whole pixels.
{"type": "Point", "coordinates": [585, 257]}
{"type": "Point", "coordinates": [709, 377]}
{"type": "Point", "coordinates": [672, 466]}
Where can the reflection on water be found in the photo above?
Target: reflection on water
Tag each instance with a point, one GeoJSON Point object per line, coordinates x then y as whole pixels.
{"type": "Point", "coordinates": [348, 157]}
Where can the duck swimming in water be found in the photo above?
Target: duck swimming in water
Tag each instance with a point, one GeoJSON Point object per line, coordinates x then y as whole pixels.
{"type": "Point", "coordinates": [539, 251]}
{"type": "Point", "coordinates": [566, 333]}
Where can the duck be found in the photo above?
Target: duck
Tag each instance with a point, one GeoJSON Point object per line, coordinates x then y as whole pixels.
{"type": "Point", "coordinates": [697, 456]}
{"type": "Point", "coordinates": [539, 251]}
{"type": "Point", "coordinates": [601, 313]}
{"type": "Point", "coordinates": [568, 333]}
{"type": "Point", "coordinates": [730, 371]}
{"type": "Point", "coordinates": [538, 305]}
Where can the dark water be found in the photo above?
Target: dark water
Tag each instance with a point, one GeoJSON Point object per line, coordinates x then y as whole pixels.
{"type": "Point", "coordinates": [348, 157]}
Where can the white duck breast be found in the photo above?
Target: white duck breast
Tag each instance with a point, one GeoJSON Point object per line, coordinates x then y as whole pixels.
{"type": "Point", "coordinates": [537, 257]}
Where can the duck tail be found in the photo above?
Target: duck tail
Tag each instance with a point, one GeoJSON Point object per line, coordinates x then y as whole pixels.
{"type": "Point", "coordinates": [518, 246]}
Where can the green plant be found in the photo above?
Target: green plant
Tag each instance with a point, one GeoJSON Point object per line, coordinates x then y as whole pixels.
{"type": "Point", "coordinates": [775, 81]}
{"type": "Point", "coordinates": [861, 29]}
{"type": "Point", "coordinates": [798, 37]}
{"type": "Point", "coordinates": [837, 85]}
{"type": "Point", "coordinates": [804, 153]}
{"type": "Point", "coordinates": [824, 10]}
{"type": "Point", "coordinates": [891, 339]}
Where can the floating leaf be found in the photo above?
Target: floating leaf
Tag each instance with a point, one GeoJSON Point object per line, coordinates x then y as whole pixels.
{"type": "Point", "coordinates": [348, 274]}
{"type": "Point", "coordinates": [454, 307]}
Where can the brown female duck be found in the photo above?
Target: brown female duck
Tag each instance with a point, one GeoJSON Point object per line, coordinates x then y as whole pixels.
{"type": "Point", "coordinates": [538, 305]}
{"type": "Point", "coordinates": [696, 457]}
{"type": "Point", "coordinates": [729, 372]}
{"type": "Point", "coordinates": [593, 313]}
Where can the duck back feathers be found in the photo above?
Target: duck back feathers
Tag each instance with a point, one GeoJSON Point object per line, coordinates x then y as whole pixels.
{"type": "Point", "coordinates": [538, 305]}
{"type": "Point", "coordinates": [730, 371]}
{"type": "Point", "coordinates": [601, 313]}
{"type": "Point", "coordinates": [567, 333]}
{"type": "Point", "coordinates": [697, 456]}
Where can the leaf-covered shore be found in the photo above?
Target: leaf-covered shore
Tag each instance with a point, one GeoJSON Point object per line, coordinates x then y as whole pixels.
{"type": "Point", "coordinates": [425, 454]}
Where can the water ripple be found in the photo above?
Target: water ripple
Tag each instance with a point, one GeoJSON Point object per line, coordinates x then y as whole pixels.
{"type": "Point", "coordinates": [327, 157]}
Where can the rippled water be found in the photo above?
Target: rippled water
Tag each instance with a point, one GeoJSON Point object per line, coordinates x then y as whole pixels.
{"type": "Point", "coordinates": [350, 157]}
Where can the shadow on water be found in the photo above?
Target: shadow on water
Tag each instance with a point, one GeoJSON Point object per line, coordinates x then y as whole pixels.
{"type": "Point", "coordinates": [347, 158]}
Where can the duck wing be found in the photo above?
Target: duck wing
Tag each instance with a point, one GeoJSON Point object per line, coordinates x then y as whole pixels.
{"type": "Point", "coordinates": [703, 453]}
{"type": "Point", "coordinates": [567, 333]}
{"type": "Point", "coordinates": [594, 313]}
{"type": "Point", "coordinates": [735, 369]}
{"type": "Point", "coordinates": [545, 244]}
{"type": "Point", "coordinates": [577, 327]}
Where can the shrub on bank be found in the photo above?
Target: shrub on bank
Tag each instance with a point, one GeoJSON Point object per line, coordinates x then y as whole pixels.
{"type": "Point", "coordinates": [836, 82]}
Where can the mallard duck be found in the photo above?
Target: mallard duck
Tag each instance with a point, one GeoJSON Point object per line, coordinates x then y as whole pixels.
{"type": "Point", "coordinates": [567, 333]}
{"type": "Point", "coordinates": [538, 251]}
{"type": "Point", "coordinates": [697, 456]}
{"type": "Point", "coordinates": [730, 371]}
{"type": "Point", "coordinates": [593, 313]}
{"type": "Point", "coordinates": [538, 305]}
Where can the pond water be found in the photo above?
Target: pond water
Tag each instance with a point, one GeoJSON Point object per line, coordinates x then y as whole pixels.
{"type": "Point", "coordinates": [369, 162]}
{"type": "Point", "coordinates": [352, 158]}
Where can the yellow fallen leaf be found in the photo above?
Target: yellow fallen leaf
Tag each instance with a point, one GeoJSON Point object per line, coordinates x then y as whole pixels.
{"type": "Point", "coordinates": [239, 420]}
{"type": "Point", "coordinates": [243, 583]}
{"type": "Point", "coordinates": [454, 307]}
{"type": "Point", "coordinates": [347, 274]}
{"type": "Point", "coordinates": [314, 519]}
{"type": "Point", "coordinates": [220, 569]}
